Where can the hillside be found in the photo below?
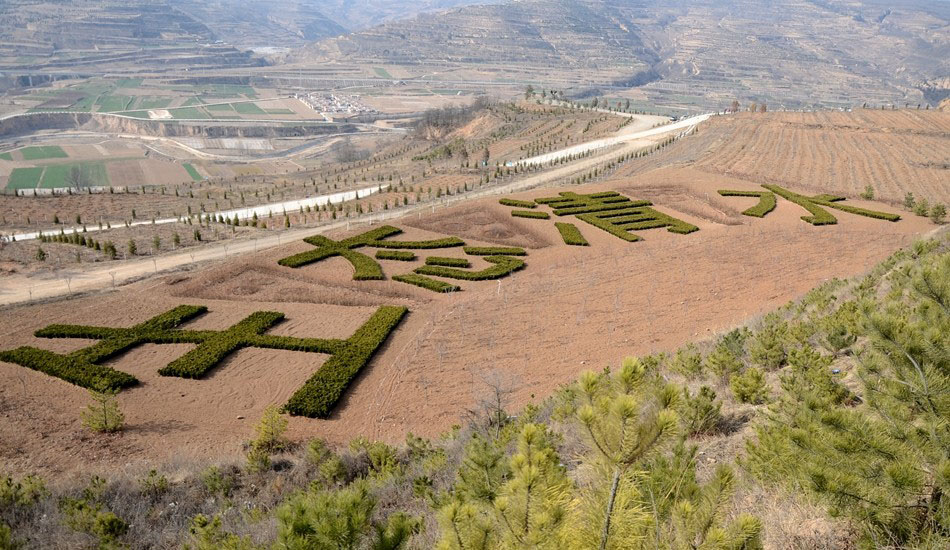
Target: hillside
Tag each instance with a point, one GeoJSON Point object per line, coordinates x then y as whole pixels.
{"type": "Point", "coordinates": [730, 443]}
{"type": "Point", "coordinates": [689, 319]}
{"type": "Point", "coordinates": [696, 53]}
{"type": "Point", "coordinates": [563, 310]}
{"type": "Point", "coordinates": [895, 152]}
{"type": "Point", "coordinates": [41, 27]}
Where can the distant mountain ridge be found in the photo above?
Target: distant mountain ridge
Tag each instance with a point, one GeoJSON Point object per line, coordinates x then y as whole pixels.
{"type": "Point", "coordinates": [793, 52]}
{"type": "Point", "coordinates": [42, 26]}
{"type": "Point", "coordinates": [294, 22]}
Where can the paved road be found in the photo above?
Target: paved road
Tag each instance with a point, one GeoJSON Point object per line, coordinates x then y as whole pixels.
{"type": "Point", "coordinates": [245, 213]}
{"type": "Point", "coordinates": [623, 137]}
{"type": "Point", "coordinates": [219, 121]}
{"type": "Point", "coordinates": [20, 288]}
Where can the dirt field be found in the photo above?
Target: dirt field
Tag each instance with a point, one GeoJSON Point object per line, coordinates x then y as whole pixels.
{"type": "Point", "coordinates": [826, 152]}
{"type": "Point", "coordinates": [571, 309]}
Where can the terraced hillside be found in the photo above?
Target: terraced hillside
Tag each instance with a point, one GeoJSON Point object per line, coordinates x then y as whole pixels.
{"type": "Point", "coordinates": [54, 36]}
{"type": "Point", "coordinates": [894, 152]}
{"type": "Point", "coordinates": [685, 53]}
{"type": "Point", "coordinates": [69, 34]}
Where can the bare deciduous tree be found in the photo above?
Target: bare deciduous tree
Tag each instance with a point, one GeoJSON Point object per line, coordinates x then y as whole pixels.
{"type": "Point", "coordinates": [75, 177]}
{"type": "Point", "coordinates": [492, 399]}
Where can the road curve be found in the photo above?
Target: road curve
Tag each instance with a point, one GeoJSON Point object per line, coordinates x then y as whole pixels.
{"type": "Point", "coordinates": [602, 143]}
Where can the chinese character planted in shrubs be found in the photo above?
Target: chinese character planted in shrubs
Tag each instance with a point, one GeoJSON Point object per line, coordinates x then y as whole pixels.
{"type": "Point", "coordinates": [609, 211]}
{"type": "Point", "coordinates": [316, 398]}
{"type": "Point", "coordinates": [814, 205]}
{"type": "Point", "coordinates": [366, 268]}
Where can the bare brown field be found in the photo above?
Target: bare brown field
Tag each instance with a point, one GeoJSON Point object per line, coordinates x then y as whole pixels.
{"type": "Point", "coordinates": [487, 224]}
{"type": "Point", "coordinates": [825, 152]}
{"type": "Point", "coordinates": [571, 309]}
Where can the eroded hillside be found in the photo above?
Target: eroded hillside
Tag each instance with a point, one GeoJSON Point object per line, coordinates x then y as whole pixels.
{"type": "Point", "coordinates": [697, 52]}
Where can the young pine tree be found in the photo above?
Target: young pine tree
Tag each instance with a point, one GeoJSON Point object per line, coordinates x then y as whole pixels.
{"type": "Point", "coordinates": [342, 518]}
{"type": "Point", "coordinates": [640, 489]}
{"type": "Point", "coordinates": [884, 463]}
{"type": "Point", "coordinates": [526, 511]}
{"type": "Point", "coordinates": [103, 415]}
{"type": "Point", "coordinates": [767, 348]}
{"type": "Point", "coordinates": [207, 534]}
{"type": "Point", "coordinates": [750, 386]}
{"type": "Point", "coordinates": [627, 418]}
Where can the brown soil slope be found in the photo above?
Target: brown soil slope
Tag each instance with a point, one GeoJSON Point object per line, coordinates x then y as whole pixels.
{"type": "Point", "coordinates": [826, 152]}
{"type": "Point", "coordinates": [571, 309]}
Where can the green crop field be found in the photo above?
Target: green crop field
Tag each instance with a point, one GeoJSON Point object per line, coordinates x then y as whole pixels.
{"type": "Point", "coordinates": [113, 103]}
{"type": "Point", "coordinates": [25, 178]}
{"type": "Point", "coordinates": [136, 114]}
{"type": "Point", "coordinates": [55, 176]}
{"type": "Point", "coordinates": [248, 109]}
{"type": "Point", "coordinates": [189, 112]}
{"type": "Point", "coordinates": [128, 83]}
{"type": "Point", "coordinates": [43, 152]}
{"type": "Point", "coordinates": [6, 156]}
{"type": "Point", "coordinates": [192, 172]}
{"type": "Point", "coordinates": [154, 102]}
{"type": "Point", "coordinates": [92, 174]}
{"type": "Point", "coordinates": [227, 90]}
{"type": "Point", "coordinates": [220, 107]}
{"type": "Point", "coordinates": [280, 112]}
{"type": "Point", "coordinates": [91, 92]}
{"type": "Point", "coordinates": [383, 73]}
{"type": "Point", "coordinates": [192, 101]}
{"type": "Point", "coordinates": [84, 104]}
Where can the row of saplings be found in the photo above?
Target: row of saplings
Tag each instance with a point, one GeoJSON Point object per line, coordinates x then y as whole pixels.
{"type": "Point", "coordinates": [107, 248]}
{"type": "Point", "coordinates": [608, 462]}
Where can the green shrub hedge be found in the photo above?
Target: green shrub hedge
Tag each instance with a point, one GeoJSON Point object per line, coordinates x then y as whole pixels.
{"type": "Point", "coordinates": [504, 266]}
{"type": "Point", "coordinates": [627, 215]}
{"type": "Point", "coordinates": [115, 341]}
{"type": "Point", "coordinates": [571, 234]}
{"type": "Point", "coordinates": [642, 225]}
{"type": "Point", "coordinates": [448, 262]}
{"type": "Point", "coordinates": [571, 204]}
{"type": "Point", "coordinates": [573, 211]}
{"type": "Point", "coordinates": [365, 268]}
{"type": "Point", "coordinates": [320, 394]}
{"type": "Point", "coordinates": [619, 223]}
{"type": "Point", "coordinates": [530, 214]}
{"type": "Point", "coordinates": [448, 242]}
{"type": "Point", "coordinates": [674, 225]}
{"type": "Point", "coordinates": [765, 205]}
{"type": "Point", "coordinates": [609, 227]}
{"type": "Point", "coordinates": [400, 255]}
{"type": "Point", "coordinates": [218, 345]}
{"type": "Point", "coordinates": [324, 388]}
{"type": "Point", "coordinates": [427, 283]}
{"type": "Point", "coordinates": [613, 213]}
{"type": "Point", "coordinates": [494, 251]}
{"type": "Point", "coordinates": [69, 368]}
{"type": "Point", "coordinates": [517, 203]}
{"type": "Point", "coordinates": [819, 216]}
{"type": "Point", "coordinates": [860, 211]}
